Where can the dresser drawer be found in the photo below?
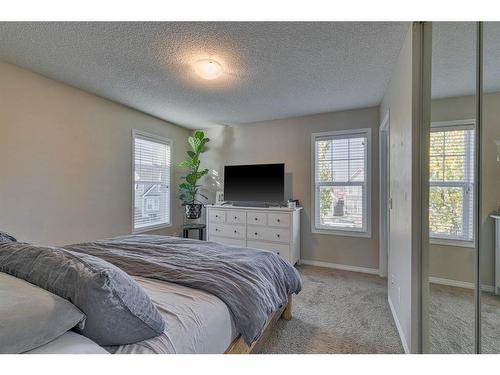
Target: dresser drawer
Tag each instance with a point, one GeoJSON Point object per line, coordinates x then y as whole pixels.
{"type": "Point", "coordinates": [227, 230]}
{"type": "Point", "coordinates": [256, 218]}
{"type": "Point", "coordinates": [281, 250]}
{"type": "Point", "coordinates": [236, 217]}
{"type": "Point", "coordinates": [228, 241]}
{"type": "Point", "coordinates": [278, 220]}
{"type": "Point", "coordinates": [217, 216]}
{"type": "Point", "coordinates": [268, 234]}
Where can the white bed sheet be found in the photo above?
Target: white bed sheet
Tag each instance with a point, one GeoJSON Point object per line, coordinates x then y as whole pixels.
{"type": "Point", "coordinates": [69, 343]}
{"type": "Point", "coordinates": [195, 321]}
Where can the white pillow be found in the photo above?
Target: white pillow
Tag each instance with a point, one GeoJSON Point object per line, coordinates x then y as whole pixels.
{"type": "Point", "coordinates": [32, 316]}
{"type": "Point", "coordinates": [69, 343]}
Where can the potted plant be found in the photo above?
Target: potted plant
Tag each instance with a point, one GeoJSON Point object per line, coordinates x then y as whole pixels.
{"type": "Point", "coordinates": [189, 187]}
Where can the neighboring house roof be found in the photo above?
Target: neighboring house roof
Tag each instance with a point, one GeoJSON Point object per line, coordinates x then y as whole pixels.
{"type": "Point", "coordinates": [356, 173]}
{"type": "Point", "coordinates": [151, 191]}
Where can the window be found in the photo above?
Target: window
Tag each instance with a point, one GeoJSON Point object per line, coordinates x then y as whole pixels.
{"type": "Point", "coordinates": [152, 204]}
{"type": "Point", "coordinates": [151, 174]}
{"type": "Point", "coordinates": [451, 193]}
{"type": "Point", "coordinates": [341, 182]}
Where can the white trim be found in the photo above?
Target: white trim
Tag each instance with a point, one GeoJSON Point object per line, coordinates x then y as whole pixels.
{"type": "Point", "coordinates": [398, 327]}
{"type": "Point", "coordinates": [169, 142]}
{"type": "Point", "coordinates": [344, 233]}
{"type": "Point", "coordinates": [459, 284]}
{"type": "Point", "coordinates": [367, 231]}
{"type": "Point", "coordinates": [452, 123]}
{"type": "Point", "coordinates": [384, 125]}
{"type": "Point", "coordinates": [344, 267]}
{"type": "Point", "coordinates": [383, 212]}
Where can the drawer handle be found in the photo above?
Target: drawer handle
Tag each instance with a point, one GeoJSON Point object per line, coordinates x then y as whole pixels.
{"type": "Point", "coordinates": [216, 215]}
{"type": "Point", "coordinates": [278, 253]}
{"type": "Point", "coordinates": [236, 217]}
{"type": "Point", "coordinates": [278, 220]}
{"type": "Point", "coordinates": [235, 231]}
{"type": "Point", "coordinates": [256, 219]}
{"type": "Point", "coordinates": [216, 229]}
{"type": "Point", "coordinates": [255, 233]}
{"type": "Point", "coordinates": [278, 235]}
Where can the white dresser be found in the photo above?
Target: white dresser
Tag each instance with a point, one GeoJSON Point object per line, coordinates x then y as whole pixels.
{"type": "Point", "coordinates": [272, 228]}
{"type": "Point", "coordinates": [496, 217]}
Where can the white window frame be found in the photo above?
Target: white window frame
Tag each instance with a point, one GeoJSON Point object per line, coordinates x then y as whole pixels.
{"type": "Point", "coordinates": [366, 230]}
{"type": "Point", "coordinates": [442, 239]}
{"type": "Point", "coordinates": [159, 139]}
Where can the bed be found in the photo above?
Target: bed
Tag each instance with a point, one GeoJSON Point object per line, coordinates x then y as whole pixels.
{"type": "Point", "coordinates": [200, 315]}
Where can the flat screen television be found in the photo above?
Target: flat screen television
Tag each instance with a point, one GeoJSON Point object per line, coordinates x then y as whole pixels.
{"type": "Point", "coordinates": [259, 183]}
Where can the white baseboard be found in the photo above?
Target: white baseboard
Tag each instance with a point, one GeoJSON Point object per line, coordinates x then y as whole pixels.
{"type": "Point", "coordinates": [345, 267]}
{"type": "Point", "coordinates": [459, 284]}
{"type": "Point", "coordinates": [398, 327]}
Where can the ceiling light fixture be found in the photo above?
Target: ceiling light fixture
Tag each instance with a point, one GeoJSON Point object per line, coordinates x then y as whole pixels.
{"type": "Point", "coordinates": [208, 69]}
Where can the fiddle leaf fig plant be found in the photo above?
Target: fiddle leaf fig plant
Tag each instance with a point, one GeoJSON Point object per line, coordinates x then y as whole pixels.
{"type": "Point", "coordinates": [188, 189]}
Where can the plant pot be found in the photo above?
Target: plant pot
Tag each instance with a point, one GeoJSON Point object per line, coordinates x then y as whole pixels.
{"type": "Point", "coordinates": [193, 211]}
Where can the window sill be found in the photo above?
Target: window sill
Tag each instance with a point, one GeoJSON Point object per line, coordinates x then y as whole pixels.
{"type": "Point", "coordinates": [450, 242]}
{"type": "Point", "coordinates": [151, 228]}
{"type": "Point", "coordinates": [338, 232]}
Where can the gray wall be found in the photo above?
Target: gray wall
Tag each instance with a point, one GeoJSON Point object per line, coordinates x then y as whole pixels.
{"type": "Point", "coordinates": [289, 141]}
{"type": "Point", "coordinates": [457, 263]}
{"type": "Point", "coordinates": [65, 157]}
{"type": "Point", "coordinates": [399, 102]}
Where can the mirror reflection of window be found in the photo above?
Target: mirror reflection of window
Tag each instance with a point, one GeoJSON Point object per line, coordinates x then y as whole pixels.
{"type": "Point", "coordinates": [451, 195]}
{"type": "Point", "coordinates": [489, 241]}
{"type": "Point", "coordinates": [452, 183]}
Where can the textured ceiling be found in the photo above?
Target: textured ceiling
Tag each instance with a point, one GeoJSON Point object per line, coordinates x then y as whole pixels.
{"type": "Point", "coordinates": [272, 70]}
{"type": "Point", "coordinates": [454, 58]}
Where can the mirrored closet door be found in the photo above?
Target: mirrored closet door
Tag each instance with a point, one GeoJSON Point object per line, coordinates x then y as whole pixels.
{"type": "Point", "coordinates": [461, 254]}
{"type": "Point", "coordinates": [449, 284]}
{"type": "Point", "coordinates": [489, 166]}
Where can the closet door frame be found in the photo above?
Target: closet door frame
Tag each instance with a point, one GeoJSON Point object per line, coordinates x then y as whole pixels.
{"type": "Point", "coordinates": [425, 128]}
{"type": "Point", "coordinates": [478, 195]}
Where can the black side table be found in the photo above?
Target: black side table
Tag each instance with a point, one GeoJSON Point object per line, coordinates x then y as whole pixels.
{"type": "Point", "coordinates": [187, 227]}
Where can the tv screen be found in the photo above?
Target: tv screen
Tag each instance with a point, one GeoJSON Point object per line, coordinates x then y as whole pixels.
{"type": "Point", "coordinates": [254, 183]}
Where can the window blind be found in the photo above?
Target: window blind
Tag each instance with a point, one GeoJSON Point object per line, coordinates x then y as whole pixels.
{"type": "Point", "coordinates": [152, 164]}
{"type": "Point", "coordinates": [451, 194]}
{"type": "Point", "coordinates": [341, 182]}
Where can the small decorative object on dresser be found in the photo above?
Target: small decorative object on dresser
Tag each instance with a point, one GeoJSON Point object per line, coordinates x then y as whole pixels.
{"type": "Point", "coordinates": [219, 197]}
{"type": "Point", "coordinates": [272, 228]}
{"type": "Point", "coordinates": [189, 187]}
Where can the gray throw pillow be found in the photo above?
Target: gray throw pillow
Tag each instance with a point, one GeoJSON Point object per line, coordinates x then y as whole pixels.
{"type": "Point", "coordinates": [31, 316]}
{"type": "Point", "coordinates": [118, 311]}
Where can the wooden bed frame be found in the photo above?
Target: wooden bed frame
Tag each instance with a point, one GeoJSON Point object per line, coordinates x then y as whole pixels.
{"type": "Point", "coordinates": [238, 346]}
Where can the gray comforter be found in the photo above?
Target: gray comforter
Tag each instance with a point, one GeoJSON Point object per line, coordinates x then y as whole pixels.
{"type": "Point", "coordinates": [252, 283]}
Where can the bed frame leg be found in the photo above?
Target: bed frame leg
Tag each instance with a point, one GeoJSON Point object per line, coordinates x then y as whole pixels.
{"type": "Point", "coordinates": [287, 312]}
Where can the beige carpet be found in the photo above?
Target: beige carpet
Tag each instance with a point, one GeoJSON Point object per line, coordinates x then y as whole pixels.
{"type": "Point", "coordinates": [337, 312]}
{"type": "Point", "coordinates": [347, 312]}
{"type": "Point", "coordinates": [451, 320]}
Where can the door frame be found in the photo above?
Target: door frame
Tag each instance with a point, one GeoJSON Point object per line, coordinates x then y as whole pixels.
{"type": "Point", "coordinates": [384, 212]}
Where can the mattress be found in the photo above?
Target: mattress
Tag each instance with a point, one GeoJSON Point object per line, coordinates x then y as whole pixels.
{"type": "Point", "coordinates": [195, 322]}
{"type": "Point", "coordinates": [69, 343]}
